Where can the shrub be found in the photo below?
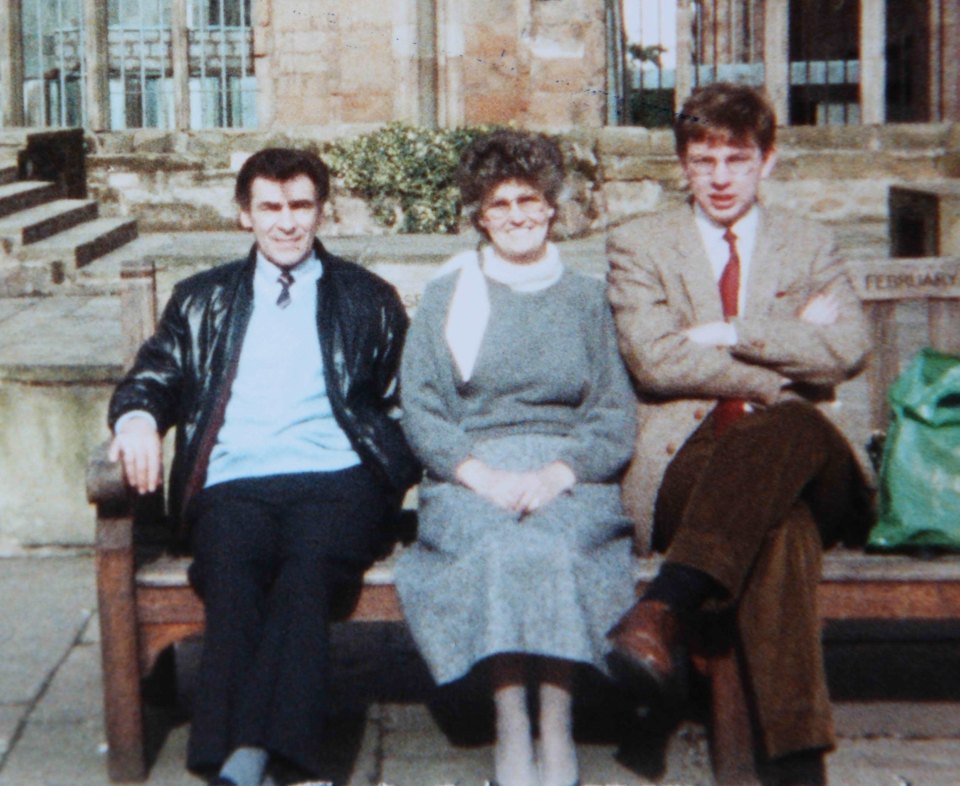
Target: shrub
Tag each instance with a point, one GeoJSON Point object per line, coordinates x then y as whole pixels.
{"type": "Point", "coordinates": [405, 173]}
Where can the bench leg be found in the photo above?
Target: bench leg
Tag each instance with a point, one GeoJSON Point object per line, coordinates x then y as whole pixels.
{"type": "Point", "coordinates": [732, 743]}
{"type": "Point", "coordinates": [122, 702]}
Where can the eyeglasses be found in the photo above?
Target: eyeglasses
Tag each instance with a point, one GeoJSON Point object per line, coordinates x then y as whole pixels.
{"type": "Point", "coordinates": [531, 205]}
{"type": "Point", "coordinates": [738, 164]}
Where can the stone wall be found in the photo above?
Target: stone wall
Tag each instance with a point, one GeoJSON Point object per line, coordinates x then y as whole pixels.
{"type": "Point", "coordinates": [51, 425]}
{"type": "Point", "coordinates": [357, 62]}
{"type": "Point", "coordinates": [184, 181]}
{"type": "Point", "coordinates": [540, 62]}
{"type": "Point", "coordinates": [834, 174]}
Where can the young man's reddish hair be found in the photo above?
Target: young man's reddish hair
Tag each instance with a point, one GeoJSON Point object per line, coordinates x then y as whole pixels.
{"type": "Point", "coordinates": [726, 113]}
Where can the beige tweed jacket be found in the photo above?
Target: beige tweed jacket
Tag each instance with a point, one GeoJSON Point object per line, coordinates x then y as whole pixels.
{"type": "Point", "coordinates": [660, 283]}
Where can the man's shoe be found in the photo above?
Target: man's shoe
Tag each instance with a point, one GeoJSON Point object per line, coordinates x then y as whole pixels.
{"type": "Point", "coordinates": [806, 768]}
{"type": "Point", "coordinates": [647, 647]}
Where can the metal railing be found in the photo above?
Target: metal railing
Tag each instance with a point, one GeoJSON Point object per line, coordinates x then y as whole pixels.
{"type": "Point", "coordinates": [695, 42]}
{"type": "Point", "coordinates": [141, 64]}
{"type": "Point", "coordinates": [817, 58]}
{"type": "Point", "coordinates": [53, 62]}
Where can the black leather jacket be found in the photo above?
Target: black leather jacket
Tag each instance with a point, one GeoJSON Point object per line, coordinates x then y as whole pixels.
{"type": "Point", "coordinates": [182, 374]}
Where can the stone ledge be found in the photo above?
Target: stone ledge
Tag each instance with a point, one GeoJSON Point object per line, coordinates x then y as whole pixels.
{"type": "Point", "coordinates": [870, 137]}
{"type": "Point", "coordinates": [37, 374]}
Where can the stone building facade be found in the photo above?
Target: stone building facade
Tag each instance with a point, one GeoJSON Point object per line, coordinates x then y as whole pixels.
{"type": "Point", "coordinates": [442, 62]}
{"type": "Point", "coordinates": [196, 64]}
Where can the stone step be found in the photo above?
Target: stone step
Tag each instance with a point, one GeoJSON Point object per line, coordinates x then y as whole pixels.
{"type": "Point", "coordinates": [26, 194]}
{"type": "Point", "coordinates": [8, 171]}
{"type": "Point", "coordinates": [82, 244]}
{"type": "Point", "coordinates": [37, 223]}
{"type": "Point", "coordinates": [102, 275]}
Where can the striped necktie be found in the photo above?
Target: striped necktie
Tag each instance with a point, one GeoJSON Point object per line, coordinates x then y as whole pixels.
{"type": "Point", "coordinates": [286, 279]}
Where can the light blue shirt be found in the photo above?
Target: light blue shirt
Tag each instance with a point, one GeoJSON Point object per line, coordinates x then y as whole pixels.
{"type": "Point", "coordinates": [278, 419]}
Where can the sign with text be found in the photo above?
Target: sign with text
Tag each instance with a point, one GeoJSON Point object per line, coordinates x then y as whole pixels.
{"type": "Point", "coordinates": [906, 279]}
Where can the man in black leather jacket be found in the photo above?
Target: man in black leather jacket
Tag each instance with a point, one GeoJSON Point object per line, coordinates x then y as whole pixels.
{"type": "Point", "coordinates": [279, 373]}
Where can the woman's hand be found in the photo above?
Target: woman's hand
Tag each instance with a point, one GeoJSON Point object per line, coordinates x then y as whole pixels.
{"type": "Point", "coordinates": [520, 492]}
{"type": "Point", "coordinates": [501, 487]}
{"type": "Point", "coordinates": [544, 485]}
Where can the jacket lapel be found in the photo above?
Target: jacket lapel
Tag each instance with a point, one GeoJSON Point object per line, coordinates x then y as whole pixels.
{"type": "Point", "coordinates": [239, 306]}
{"type": "Point", "coordinates": [233, 305]}
{"type": "Point", "coordinates": [694, 269]}
{"type": "Point", "coordinates": [765, 266]}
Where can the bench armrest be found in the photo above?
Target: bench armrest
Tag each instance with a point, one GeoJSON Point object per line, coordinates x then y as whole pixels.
{"type": "Point", "coordinates": [106, 487]}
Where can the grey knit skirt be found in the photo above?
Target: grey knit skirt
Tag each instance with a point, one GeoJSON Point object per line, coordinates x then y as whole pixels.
{"type": "Point", "coordinates": [482, 581]}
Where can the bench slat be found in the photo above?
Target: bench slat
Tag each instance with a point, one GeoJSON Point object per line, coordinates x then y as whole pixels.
{"type": "Point", "coordinates": [854, 586]}
{"type": "Point", "coordinates": [883, 600]}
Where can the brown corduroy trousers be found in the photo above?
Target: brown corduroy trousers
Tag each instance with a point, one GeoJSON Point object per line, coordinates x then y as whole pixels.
{"type": "Point", "coordinates": [754, 508]}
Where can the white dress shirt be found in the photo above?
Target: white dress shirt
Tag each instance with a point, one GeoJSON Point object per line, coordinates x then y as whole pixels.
{"type": "Point", "coordinates": [718, 250]}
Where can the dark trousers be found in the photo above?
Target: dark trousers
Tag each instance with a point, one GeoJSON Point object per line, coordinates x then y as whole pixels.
{"type": "Point", "coordinates": [268, 554]}
{"type": "Point", "coordinates": [754, 508]}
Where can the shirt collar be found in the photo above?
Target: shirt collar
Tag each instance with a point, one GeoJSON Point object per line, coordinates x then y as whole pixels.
{"type": "Point", "coordinates": [309, 269]}
{"type": "Point", "coordinates": [745, 227]}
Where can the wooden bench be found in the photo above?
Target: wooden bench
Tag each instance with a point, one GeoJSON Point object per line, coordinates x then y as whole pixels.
{"type": "Point", "coordinates": [144, 608]}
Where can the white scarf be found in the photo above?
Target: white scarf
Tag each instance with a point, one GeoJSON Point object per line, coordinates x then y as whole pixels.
{"type": "Point", "coordinates": [469, 309]}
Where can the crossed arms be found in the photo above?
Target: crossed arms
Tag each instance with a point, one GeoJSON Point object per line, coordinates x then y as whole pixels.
{"type": "Point", "coordinates": [811, 333]}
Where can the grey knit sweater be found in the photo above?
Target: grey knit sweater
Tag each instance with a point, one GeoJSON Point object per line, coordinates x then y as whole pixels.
{"type": "Point", "coordinates": [548, 364]}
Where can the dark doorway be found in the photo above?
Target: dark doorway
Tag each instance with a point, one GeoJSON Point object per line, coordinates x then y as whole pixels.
{"type": "Point", "coordinates": [908, 61]}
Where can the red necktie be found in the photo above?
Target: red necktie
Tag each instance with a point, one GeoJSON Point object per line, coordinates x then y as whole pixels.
{"type": "Point", "coordinates": [729, 410]}
{"type": "Point", "coordinates": [730, 278]}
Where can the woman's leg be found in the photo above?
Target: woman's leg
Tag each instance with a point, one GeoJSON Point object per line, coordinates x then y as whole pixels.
{"type": "Point", "coordinates": [514, 763]}
{"type": "Point", "coordinates": [558, 752]}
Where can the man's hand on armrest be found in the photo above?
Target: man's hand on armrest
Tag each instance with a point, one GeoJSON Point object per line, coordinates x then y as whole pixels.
{"type": "Point", "coordinates": [137, 446]}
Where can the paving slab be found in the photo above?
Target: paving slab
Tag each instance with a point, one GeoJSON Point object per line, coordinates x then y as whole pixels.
{"type": "Point", "coordinates": [46, 605]}
{"type": "Point", "coordinates": [75, 693]}
{"type": "Point", "coordinates": [57, 754]}
{"type": "Point", "coordinates": [11, 717]}
{"type": "Point", "coordinates": [462, 768]}
{"type": "Point", "coordinates": [896, 763]}
{"type": "Point", "coordinates": [61, 339]}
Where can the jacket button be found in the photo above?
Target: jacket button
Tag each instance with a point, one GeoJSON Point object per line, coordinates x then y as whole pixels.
{"type": "Point", "coordinates": [699, 414]}
{"type": "Point", "coordinates": [671, 449]}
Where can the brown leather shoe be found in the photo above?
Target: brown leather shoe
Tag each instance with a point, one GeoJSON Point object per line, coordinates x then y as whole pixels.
{"type": "Point", "coordinates": [647, 643]}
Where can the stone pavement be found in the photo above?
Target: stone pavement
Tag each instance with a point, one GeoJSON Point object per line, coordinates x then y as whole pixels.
{"type": "Point", "coordinates": [898, 706]}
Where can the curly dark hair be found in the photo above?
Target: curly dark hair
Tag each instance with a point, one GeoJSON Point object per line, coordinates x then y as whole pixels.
{"type": "Point", "coordinates": [509, 154]}
{"type": "Point", "coordinates": [281, 164]}
{"type": "Point", "coordinates": [728, 113]}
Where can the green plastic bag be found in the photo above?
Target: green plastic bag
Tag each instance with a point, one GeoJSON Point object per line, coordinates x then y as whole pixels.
{"type": "Point", "coordinates": [919, 506]}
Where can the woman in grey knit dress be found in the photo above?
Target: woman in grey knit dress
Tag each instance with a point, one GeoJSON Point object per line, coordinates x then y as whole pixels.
{"type": "Point", "coordinates": [517, 403]}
